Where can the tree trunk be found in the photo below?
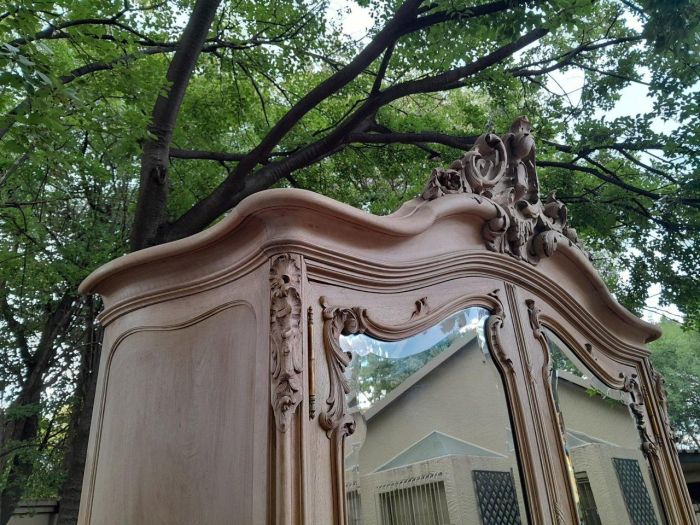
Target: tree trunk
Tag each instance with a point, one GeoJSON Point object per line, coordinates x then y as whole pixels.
{"type": "Point", "coordinates": [81, 416]}
{"type": "Point", "coordinates": [20, 468]}
{"type": "Point", "coordinates": [21, 430]}
{"type": "Point", "coordinates": [151, 207]}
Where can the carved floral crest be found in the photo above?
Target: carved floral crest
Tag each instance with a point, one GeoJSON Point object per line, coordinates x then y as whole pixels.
{"type": "Point", "coordinates": [502, 169]}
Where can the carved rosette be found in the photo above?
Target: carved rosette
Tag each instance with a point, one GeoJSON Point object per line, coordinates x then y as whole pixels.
{"type": "Point", "coordinates": [502, 169]}
{"type": "Point", "coordinates": [286, 361]}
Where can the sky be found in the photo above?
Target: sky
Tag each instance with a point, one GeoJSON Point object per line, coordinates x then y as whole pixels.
{"type": "Point", "coordinates": [356, 21]}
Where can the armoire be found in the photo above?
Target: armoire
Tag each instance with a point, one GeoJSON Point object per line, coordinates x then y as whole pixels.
{"type": "Point", "coordinates": [459, 361]}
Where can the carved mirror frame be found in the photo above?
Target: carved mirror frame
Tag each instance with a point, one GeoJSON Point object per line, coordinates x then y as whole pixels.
{"type": "Point", "coordinates": [478, 235]}
{"type": "Point", "coordinates": [522, 297]}
{"type": "Point", "coordinates": [521, 353]}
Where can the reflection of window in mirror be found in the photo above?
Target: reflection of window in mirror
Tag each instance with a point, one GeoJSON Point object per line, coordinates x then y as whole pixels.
{"type": "Point", "coordinates": [433, 441]}
{"type": "Point", "coordinates": [613, 480]}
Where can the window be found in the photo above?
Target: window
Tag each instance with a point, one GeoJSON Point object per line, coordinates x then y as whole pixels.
{"type": "Point", "coordinates": [634, 490]}
{"type": "Point", "coordinates": [353, 509]}
{"type": "Point", "coordinates": [415, 501]}
{"type": "Point", "coordinates": [495, 492]}
{"type": "Point", "coordinates": [588, 510]}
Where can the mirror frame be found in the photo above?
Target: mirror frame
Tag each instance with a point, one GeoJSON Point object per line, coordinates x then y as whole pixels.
{"type": "Point", "coordinates": [337, 422]}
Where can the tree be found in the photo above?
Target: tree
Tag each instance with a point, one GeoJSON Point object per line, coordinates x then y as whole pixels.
{"type": "Point", "coordinates": [249, 95]}
{"type": "Point", "coordinates": [677, 358]}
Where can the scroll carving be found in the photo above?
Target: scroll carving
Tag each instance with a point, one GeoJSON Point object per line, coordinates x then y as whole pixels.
{"type": "Point", "coordinates": [502, 169]}
{"type": "Point", "coordinates": [534, 316]}
{"type": "Point", "coordinates": [494, 323]}
{"type": "Point", "coordinates": [660, 391]}
{"type": "Point", "coordinates": [632, 387]}
{"type": "Point", "coordinates": [286, 361]}
{"type": "Point", "coordinates": [336, 322]}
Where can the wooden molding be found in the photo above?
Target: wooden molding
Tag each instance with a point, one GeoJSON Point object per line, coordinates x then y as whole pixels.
{"type": "Point", "coordinates": [354, 320]}
{"type": "Point", "coordinates": [546, 425]}
{"type": "Point", "coordinates": [286, 387]}
{"type": "Point", "coordinates": [286, 357]}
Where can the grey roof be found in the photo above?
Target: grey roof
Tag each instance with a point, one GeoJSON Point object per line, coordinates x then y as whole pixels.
{"type": "Point", "coordinates": [437, 445]}
{"type": "Point", "coordinates": [575, 438]}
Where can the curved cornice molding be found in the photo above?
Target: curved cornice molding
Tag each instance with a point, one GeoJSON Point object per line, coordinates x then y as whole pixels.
{"type": "Point", "coordinates": [304, 222]}
{"type": "Point", "coordinates": [413, 218]}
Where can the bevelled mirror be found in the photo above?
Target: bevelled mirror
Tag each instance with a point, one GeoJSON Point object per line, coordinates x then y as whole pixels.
{"type": "Point", "coordinates": [611, 479]}
{"type": "Point", "coordinates": [433, 442]}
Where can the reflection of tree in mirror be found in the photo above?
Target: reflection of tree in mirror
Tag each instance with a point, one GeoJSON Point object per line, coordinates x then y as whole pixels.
{"type": "Point", "coordinates": [677, 357]}
{"type": "Point", "coordinates": [372, 376]}
{"type": "Point", "coordinates": [596, 392]}
{"type": "Point", "coordinates": [558, 360]}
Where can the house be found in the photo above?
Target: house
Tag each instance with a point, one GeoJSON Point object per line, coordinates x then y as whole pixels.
{"type": "Point", "coordinates": [438, 449]}
{"type": "Point", "coordinates": [35, 512]}
{"type": "Point", "coordinates": [690, 463]}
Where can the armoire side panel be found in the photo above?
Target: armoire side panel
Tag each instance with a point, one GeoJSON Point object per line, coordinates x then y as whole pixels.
{"type": "Point", "coordinates": [171, 447]}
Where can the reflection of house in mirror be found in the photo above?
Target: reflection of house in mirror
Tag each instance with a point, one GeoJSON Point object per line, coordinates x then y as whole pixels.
{"type": "Point", "coordinates": [612, 476]}
{"type": "Point", "coordinates": [422, 452]}
{"type": "Point", "coordinates": [438, 449]}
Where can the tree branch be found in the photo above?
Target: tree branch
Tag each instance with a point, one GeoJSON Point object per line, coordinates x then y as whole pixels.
{"type": "Point", "coordinates": [236, 187]}
{"type": "Point", "coordinates": [152, 200]}
{"type": "Point", "coordinates": [385, 38]}
{"type": "Point", "coordinates": [616, 181]}
{"type": "Point", "coordinates": [205, 155]}
{"type": "Point", "coordinates": [453, 141]}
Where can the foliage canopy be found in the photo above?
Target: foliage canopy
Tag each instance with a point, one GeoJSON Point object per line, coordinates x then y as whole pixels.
{"type": "Point", "coordinates": [117, 133]}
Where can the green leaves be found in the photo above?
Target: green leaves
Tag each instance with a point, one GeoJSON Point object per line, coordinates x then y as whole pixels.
{"type": "Point", "coordinates": [78, 81]}
{"type": "Point", "coordinates": [677, 357]}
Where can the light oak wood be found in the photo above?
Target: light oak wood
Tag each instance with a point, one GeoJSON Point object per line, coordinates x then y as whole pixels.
{"type": "Point", "coordinates": [204, 410]}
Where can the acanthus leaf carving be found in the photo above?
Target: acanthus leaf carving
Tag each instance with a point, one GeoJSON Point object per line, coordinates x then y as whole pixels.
{"type": "Point", "coordinates": [336, 322]}
{"type": "Point", "coordinates": [286, 360]}
{"type": "Point", "coordinates": [660, 391]}
{"type": "Point", "coordinates": [630, 384]}
{"type": "Point", "coordinates": [502, 169]}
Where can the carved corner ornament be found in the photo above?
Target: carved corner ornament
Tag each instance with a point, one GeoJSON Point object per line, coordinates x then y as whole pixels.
{"type": "Point", "coordinates": [502, 169]}
{"type": "Point", "coordinates": [286, 356]}
{"type": "Point", "coordinates": [336, 322]}
{"type": "Point", "coordinates": [630, 384]}
{"type": "Point", "coordinates": [660, 391]}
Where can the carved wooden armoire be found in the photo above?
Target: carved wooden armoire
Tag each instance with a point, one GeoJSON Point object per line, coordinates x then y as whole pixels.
{"type": "Point", "coordinates": [303, 362]}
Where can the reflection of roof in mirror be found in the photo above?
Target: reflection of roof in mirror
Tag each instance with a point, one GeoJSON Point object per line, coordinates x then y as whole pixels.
{"type": "Point", "coordinates": [575, 438]}
{"type": "Point", "coordinates": [463, 322]}
{"type": "Point", "coordinates": [419, 374]}
{"type": "Point", "coordinates": [437, 445]}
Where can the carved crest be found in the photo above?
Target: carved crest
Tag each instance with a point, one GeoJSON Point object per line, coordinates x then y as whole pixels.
{"type": "Point", "coordinates": [285, 339]}
{"type": "Point", "coordinates": [502, 169]}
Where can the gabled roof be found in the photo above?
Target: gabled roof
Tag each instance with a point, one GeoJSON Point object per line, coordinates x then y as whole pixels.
{"type": "Point", "coordinates": [418, 376]}
{"type": "Point", "coordinates": [575, 438]}
{"type": "Point", "coordinates": [437, 445]}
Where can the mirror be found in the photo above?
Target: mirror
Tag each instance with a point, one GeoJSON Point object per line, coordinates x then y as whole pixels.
{"type": "Point", "coordinates": [612, 479]}
{"type": "Point", "coordinates": [433, 442]}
